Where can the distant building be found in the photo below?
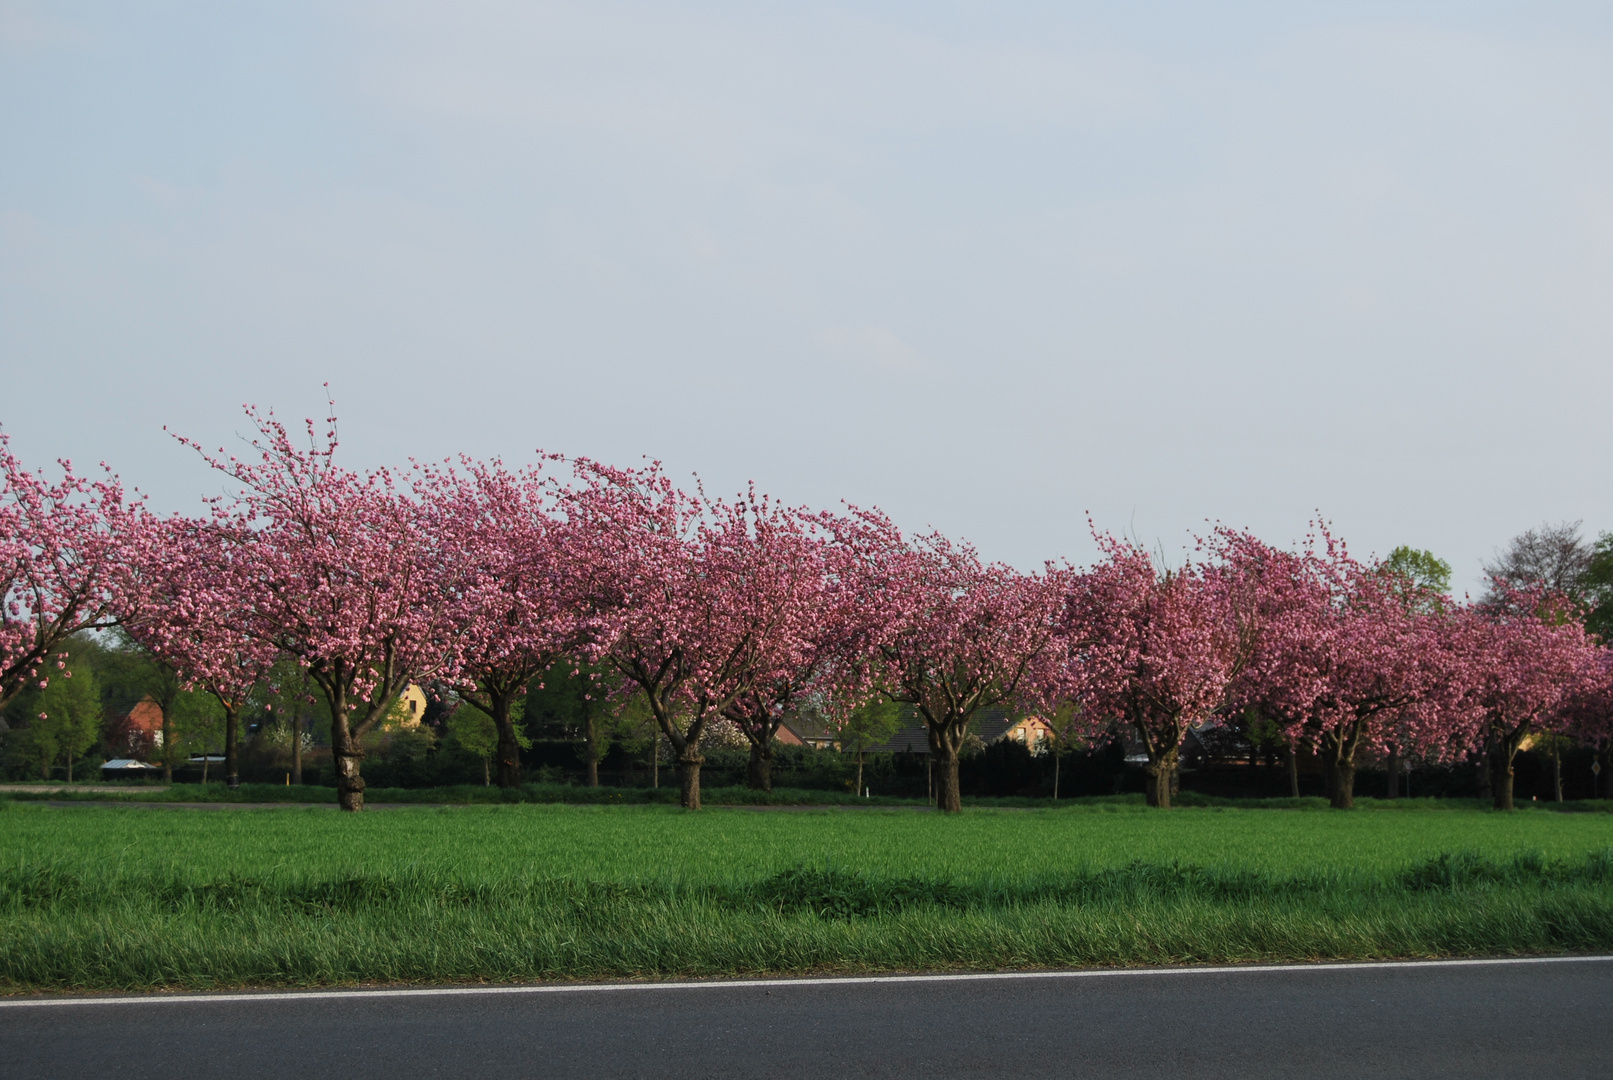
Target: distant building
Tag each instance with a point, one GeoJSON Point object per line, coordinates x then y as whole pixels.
{"type": "Point", "coordinates": [408, 710]}
{"type": "Point", "coordinates": [910, 738]}
{"type": "Point", "coordinates": [137, 732]}
{"type": "Point", "coordinates": [1035, 733]}
{"type": "Point", "coordinates": [1032, 732]}
{"type": "Point", "coordinates": [806, 731]}
{"type": "Point", "coordinates": [128, 769]}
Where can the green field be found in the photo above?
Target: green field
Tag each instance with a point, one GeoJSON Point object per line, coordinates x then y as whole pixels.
{"type": "Point", "coordinates": [100, 896]}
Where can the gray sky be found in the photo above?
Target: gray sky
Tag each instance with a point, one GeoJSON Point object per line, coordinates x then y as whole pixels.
{"type": "Point", "coordinates": [987, 266]}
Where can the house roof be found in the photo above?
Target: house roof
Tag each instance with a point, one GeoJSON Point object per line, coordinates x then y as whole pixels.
{"type": "Point", "coordinates": [126, 763]}
{"type": "Point", "coordinates": [912, 737]}
{"type": "Point", "coordinates": [146, 715]}
{"type": "Point", "coordinates": [808, 729]}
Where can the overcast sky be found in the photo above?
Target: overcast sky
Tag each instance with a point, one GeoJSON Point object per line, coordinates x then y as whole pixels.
{"type": "Point", "coordinates": [988, 266]}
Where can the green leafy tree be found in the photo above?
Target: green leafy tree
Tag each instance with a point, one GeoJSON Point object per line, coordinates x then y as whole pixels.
{"type": "Point", "coordinates": [1597, 582]}
{"type": "Point", "coordinates": [287, 699]}
{"type": "Point", "coordinates": [473, 728]}
{"type": "Point", "coordinates": [868, 725]}
{"type": "Point", "coordinates": [1263, 732]}
{"type": "Point", "coordinates": [67, 721]}
{"type": "Point", "coordinates": [195, 726]}
{"type": "Point", "coordinates": [586, 701]}
{"type": "Point", "coordinates": [1070, 732]}
{"type": "Point", "coordinates": [1427, 577]}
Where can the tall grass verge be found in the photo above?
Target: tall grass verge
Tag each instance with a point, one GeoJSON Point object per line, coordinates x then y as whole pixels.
{"type": "Point", "coordinates": [66, 924]}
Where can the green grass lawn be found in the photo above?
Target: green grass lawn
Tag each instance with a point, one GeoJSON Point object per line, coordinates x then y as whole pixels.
{"type": "Point", "coordinates": [99, 896]}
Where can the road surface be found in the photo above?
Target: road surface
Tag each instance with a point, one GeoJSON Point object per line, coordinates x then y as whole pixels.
{"type": "Point", "coordinates": [1464, 1019]}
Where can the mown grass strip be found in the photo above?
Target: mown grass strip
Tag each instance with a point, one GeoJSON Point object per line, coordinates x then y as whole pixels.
{"type": "Point", "coordinates": [571, 795]}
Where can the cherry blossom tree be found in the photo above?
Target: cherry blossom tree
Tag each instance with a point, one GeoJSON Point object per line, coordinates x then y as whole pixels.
{"type": "Point", "coordinates": [1348, 660]}
{"type": "Point", "coordinates": [948, 634]}
{"type": "Point", "coordinates": [59, 548]}
{"type": "Point", "coordinates": [1529, 659]}
{"type": "Point", "coordinates": [185, 601]}
{"type": "Point", "coordinates": [501, 561]}
{"type": "Point", "coordinates": [683, 607]}
{"type": "Point", "coordinates": [1154, 651]}
{"type": "Point", "coordinates": [805, 647]}
{"type": "Point", "coordinates": [1588, 715]}
{"type": "Point", "coordinates": [337, 573]}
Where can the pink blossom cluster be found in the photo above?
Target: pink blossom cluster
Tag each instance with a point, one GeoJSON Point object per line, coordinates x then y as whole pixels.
{"type": "Point", "coordinates": [736, 612]}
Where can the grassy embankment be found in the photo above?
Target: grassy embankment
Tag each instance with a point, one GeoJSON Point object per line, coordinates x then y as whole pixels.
{"type": "Point", "coordinates": [122, 897]}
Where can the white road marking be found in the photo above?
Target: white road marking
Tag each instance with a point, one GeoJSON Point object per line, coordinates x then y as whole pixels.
{"type": "Point", "coordinates": [743, 984]}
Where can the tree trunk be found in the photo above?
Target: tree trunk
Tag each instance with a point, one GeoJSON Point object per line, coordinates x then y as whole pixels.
{"type": "Point", "coordinates": [655, 760]}
{"type": "Point", "coordinates": [1056, 757]}
{"type": "Point", "coordinates": [859, 769]}
{"type": "Point", "coordinates": [349, 778]}
{"type": "Point", "coordinates": [948, 798]}
{"type": "Point", "coordinates": [592, 745]}
{"type": "Point", "coordinates": [689, 777]}
{"type": "Point", "coordinates": [205, 756]}
{"type": "Point", "coordinates": [1344, 785]}
{"type": "Point", "coordinates": [509, 750]}
{"type": "Point", "coordinates": [296, 748]}
{"type": "Point", "coordinates": [759, 771]}
{"type": "Point", "coordinates": [69, 766]}
{"type": "Point", "coordinates": [1394, 773]}
{"type": "Point", "coordinates": [487, 774]}
{"type": "Point", "coordinates": [232, 747]}
{"type": "Point", "coordinates": [1501, 761]}
{"type": "Point", "coordinates": [167, 748]}
{"type": "Point", "coordinates": [347, 755]}
{"type": "Point", "coordinates": [1338, 761]}
{"type": "Point", "coordinates": [1160, 772]}
{"type": "Point", "coordinates": [1291, 761]}
{"type": "Point", "coordinates": [1556, 771]}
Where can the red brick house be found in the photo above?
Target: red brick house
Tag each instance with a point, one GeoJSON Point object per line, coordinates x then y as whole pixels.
{"type": "Point", "coordinates": [137, 732]}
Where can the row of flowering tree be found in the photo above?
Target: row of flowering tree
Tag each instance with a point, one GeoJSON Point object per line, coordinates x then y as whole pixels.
{"type": "Point", "coordinates": [482, 578]}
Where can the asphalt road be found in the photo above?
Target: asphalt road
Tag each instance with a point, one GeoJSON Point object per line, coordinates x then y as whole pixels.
{"type": "Point", "coordinates": [1467, 1020]}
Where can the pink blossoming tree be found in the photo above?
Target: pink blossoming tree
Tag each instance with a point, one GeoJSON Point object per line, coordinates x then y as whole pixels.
{"type": "Point", "coordinates": [687, 607]}
{"type": "Point", "coordinates": [948, 634]}
{"type": "Point", "coordinates": [502, 565]}
{"type": "Point", "coordinates": [1529, 659]}
{"type": "Point", "coordinates": [1154, 651]}
{"type": "Point", "coordinates": [1347, 661]}
{"type": "Point", "coordinates": [59, 551]}
{"type": "Point", "coordinates": [338, 575]}
{"type": "Point", "coordinates": [1588, 716]}
{"type": "Point", "coordinates": [185, 600]}
{"type": "Point", "coordinates": [803, 646]}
